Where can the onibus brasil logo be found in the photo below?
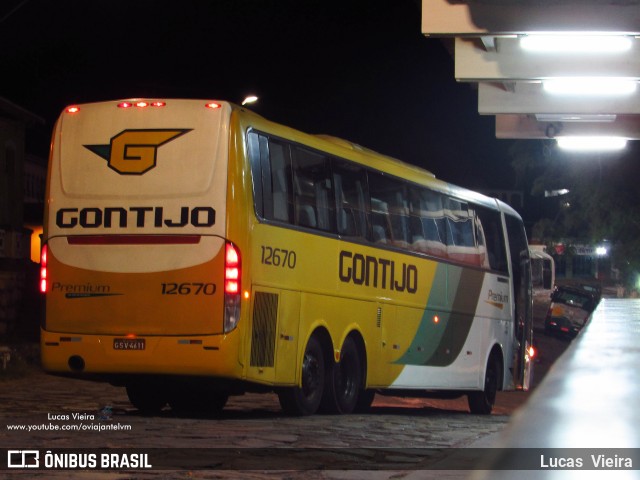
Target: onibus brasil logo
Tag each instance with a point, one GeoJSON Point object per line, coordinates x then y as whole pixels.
{"type": "Point", "coordinates": [134, 152]}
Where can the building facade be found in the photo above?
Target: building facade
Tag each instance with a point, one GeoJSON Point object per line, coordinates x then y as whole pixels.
{"type": "Point", "coordinates": [20, 177]}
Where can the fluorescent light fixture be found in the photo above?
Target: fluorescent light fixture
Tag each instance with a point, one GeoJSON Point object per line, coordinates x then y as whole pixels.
{"type": "Point", "coordinates": [591, 43]}
{"type": "Point", "coordinates": [576, 117]}
{"type": "Point", "coordinates": [592, 144]}
{"type": "Point", "coordinates": [590, 86]}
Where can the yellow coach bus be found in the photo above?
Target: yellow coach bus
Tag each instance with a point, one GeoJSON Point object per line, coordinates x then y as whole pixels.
{"type": "Point", "coordinates": [194, 250]}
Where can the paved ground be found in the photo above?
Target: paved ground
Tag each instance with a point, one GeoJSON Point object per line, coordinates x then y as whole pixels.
{"type": "Point", "coordinates": [250, 421]}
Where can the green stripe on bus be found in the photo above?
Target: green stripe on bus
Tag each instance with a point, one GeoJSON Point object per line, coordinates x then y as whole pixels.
{"type": "Point", "coordinates": [444, 329]}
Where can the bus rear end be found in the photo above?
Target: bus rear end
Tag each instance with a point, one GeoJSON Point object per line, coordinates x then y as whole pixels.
{"type": "Point", "coordinates": [136, 265]}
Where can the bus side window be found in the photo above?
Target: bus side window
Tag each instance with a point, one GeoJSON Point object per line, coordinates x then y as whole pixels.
{"type": "Point", "coordinates": [491, 225]}
{"type": "Point", "coordinates": [427, 223]}
{"type": "Point", "coordinates": [276, 175]}
{"type": "Point", "coordinates": [253, 146]}
{"type": "Point", "coordinates": [350, 188]}
{"type": "Point", "coordinates": [389, 213]}
{"type": "Point", "coordinates": [312, 186]}
{"type": "Point", "coordinates": [461, 241]}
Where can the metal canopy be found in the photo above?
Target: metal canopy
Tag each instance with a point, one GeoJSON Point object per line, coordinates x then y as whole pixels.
{"type": "Point", "coordinates": [513, 81]}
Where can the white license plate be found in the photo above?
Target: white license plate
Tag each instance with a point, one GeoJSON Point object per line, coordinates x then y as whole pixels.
{"type": "Point", "coordinates": [129, 344]}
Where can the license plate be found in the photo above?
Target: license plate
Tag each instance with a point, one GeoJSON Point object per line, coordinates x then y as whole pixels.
{"type": "Point", "coordinates": [129, 343]}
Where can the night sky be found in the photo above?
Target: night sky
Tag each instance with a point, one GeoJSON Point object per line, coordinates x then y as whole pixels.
{"type": "Point", "coordinates": [356, 69]}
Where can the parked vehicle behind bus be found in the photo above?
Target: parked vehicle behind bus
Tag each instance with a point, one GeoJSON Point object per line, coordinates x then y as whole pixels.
{"type": "Point", "coordinates": [194, 250]}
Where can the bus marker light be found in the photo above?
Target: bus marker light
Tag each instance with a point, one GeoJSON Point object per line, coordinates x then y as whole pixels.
{"type": "Point", "coordinates": [436, 319]}
{"type": "Point", "coordinates": [125, 105]}
{"type": "Point", "coordinates": [142, 104]}
{"type": "Point", "coordinates": [73, 109]}
{"type": "Point", "coordinates": [213, 105]}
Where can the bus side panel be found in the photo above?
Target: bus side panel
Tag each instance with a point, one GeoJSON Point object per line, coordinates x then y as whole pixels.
{"type": "Point", "coordinates": [452, 344]}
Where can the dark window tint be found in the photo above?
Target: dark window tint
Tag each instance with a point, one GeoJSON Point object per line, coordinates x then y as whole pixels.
{"type": "Point", "coordinates": [389, 210]}
{"type": "Point", "coordinates": [313, 199]}
{"type": "Point", "coordinates": [352, 199]}
{"type": "Point", "coordinates": [427, 226]}
{"type": "Point", "coordinates": [489, 226]}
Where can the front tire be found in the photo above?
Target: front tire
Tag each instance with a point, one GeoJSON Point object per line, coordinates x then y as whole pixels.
{"type": "Point", "coordinates": [305, 399]}
{"type": "Point", "coordinates": [481, 403]}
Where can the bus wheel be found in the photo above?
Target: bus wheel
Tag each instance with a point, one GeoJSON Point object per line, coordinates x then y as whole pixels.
{"type": "Point", "coordinates": [482, 402]}
{"type": "Point", "coordinates": [305, 400]}
{"type": "Point", "coordinates": [344, 382]}
{"type": "Point", "coordinates": [149, 398]}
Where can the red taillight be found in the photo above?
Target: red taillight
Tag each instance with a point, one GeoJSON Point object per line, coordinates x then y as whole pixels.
{"type": "Point", "coordinates": [43, 269]}
{"type": "Point", "coordinates": [232, 297]}
{"type": "Point", "coordinates": [231, 270]}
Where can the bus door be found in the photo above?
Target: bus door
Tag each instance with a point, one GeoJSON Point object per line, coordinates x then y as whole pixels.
{"type": "Point", "coordinates": [523, 302]}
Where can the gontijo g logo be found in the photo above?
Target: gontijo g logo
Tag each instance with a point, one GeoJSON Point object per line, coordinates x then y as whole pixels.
{"type": "Point", "coordinates": [134, 152]}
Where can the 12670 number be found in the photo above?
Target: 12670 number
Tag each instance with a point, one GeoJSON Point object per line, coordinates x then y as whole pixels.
{"type": "Point", "coordinates": [279, 257]}
{"type": "Point", "coordinates": [188, 288]}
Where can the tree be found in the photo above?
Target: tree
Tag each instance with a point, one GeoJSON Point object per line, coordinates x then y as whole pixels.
{"type": "Point", "coordinates": [602, 202]}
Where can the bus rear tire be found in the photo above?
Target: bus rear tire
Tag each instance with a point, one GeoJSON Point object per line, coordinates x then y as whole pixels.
{"type": "Point", "coordinates": [149, 398]}
{"type": "Point", "coordinates": [305, 400]}
{"type": "Point", "coordinates": [344, 381]}
{"type": "Point", "coordinates": [481, 403]}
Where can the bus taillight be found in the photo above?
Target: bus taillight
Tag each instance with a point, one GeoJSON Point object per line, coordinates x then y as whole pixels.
{"type": "Point", "coordinates": [232, 297]}
{"type": "Point", "coordinates": [231, 269]}
{"type": "Point", "coordinates": [531, 353]}
{"type": "Point", "coordinates": [43, 269]}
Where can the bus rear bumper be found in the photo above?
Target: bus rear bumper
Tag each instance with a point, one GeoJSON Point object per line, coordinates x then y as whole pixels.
{"type": "Point", "coordinates": [106, 355]}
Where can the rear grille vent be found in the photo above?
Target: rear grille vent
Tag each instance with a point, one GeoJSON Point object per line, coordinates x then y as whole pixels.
{"type": "Point", "coordinates": [263, 339]}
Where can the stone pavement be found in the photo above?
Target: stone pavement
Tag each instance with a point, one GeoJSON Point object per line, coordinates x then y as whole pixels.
{"type": "Point", "coordinates": [249, 421]}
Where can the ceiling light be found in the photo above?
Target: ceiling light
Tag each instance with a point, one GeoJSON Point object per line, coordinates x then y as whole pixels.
{"type": "Point", "coordinates": [576, 43]}
{"type": "Point", "coordinates": [590, 86]}
{"type": "Point", "coordinates": [576, 117]}
{"type": "Point", "coordinates": [592, 144]}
